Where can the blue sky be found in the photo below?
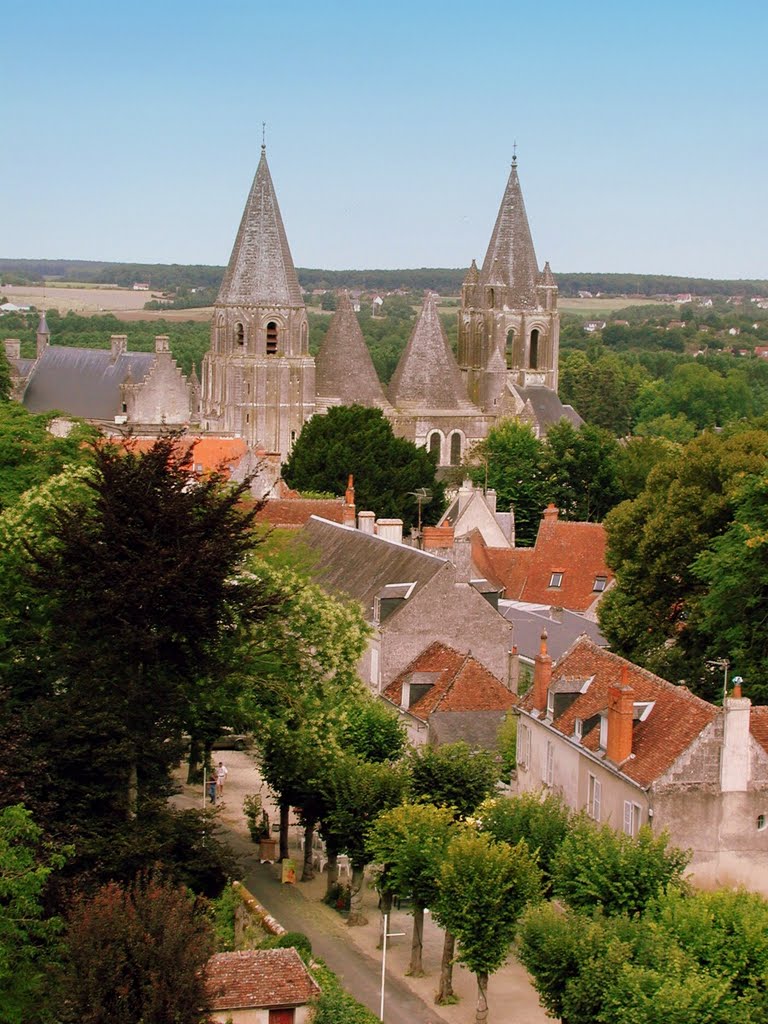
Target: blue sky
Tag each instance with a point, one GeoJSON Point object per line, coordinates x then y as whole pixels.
{"type": "Point", "coordinates": [132, 131]}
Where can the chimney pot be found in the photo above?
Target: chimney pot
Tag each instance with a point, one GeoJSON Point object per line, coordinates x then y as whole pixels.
{"type": "Point", "coordinates": [621, 709]}
{"type": "Point", "coordinates": [542, 675]}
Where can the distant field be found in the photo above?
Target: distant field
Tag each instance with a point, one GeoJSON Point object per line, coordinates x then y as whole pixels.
{"type": "Point", "coordinates": [594, 307]}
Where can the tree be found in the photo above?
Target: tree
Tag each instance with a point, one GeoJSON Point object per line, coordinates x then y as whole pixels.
{"type": "Point", "coordinates": [483, 889]}
{"type": "Point", "coordinates": [580, 468]}
{"type": "Point", "coordinates": [386, 469]}
{"type": "Point", "coordinates": [542, 822]}
{"type": "Point", "coordinates": [510, 460]}
{"type": "Point", "coordinates": [599, 868]}
{"type": "Point", "coordinates": [453, 775]}
{"type": "Point", "coordinates": [5, 377]}
{"type": "Point", "coordinates": [601, 386]}
{"type": "Point", "coordinates": [138, 953]}
{"type": "Point", "coordinates": [410, 842]}
{"type": "Point", "coordinates": [28, 938]}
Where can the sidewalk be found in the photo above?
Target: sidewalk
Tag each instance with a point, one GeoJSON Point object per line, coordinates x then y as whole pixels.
{"type": "Point", "coordinates": [352, 952]}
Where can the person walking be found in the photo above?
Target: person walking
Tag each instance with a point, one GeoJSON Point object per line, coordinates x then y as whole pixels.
{"type": "Point", "coordinates": [220, 774]}
{"type": "Point", "coordinates": [212, 785]}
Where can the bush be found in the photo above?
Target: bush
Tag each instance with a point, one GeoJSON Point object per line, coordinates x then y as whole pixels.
{"type": "Point", "coordinates": [291, 940]}
{"type": "Point", "coordinates": [334, 1005]}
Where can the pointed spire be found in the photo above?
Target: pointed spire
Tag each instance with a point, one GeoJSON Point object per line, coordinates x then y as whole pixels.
{"type": "Point", "coordinates": [344, 369]}
{"type": "Point", "coordinates": [428, 376]}
{"type": "Point", "coordinates": [473, 275]}
{"type": "Point", "coordinates": [547, 277]}
{"type": "Point", "coordinates": [193, 378]}
{"type": "Point", "coordinates": [511, 259]}
{"type": "Point", "coordinates": [261, 270]}
{"type": "Point", "coordinates": [42, 327]}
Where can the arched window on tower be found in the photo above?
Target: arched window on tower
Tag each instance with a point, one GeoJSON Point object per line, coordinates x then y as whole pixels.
{"type": "Point", "coordinates": [239, 333]}
{"type": "Point", "coordinates": [455, 448]}
{"type": "Point", "coordinates": [533, 362]}
{"type": "Point", "coordinates": [271, 338]}
{"type": "Point", "coordinates": [491, 298]}
{"type": "Point", "coordinates": [434, 445]}
{"type": "Point", "coordinates": [304, 339]}
{"type": "Point", "coordinates": [510, 349]}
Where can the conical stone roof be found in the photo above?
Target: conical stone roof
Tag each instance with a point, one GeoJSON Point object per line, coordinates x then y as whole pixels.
{"type": "Point", "coordinates": [344, 369]}
{"type": "Point", "coordinates": [261, 270]}
{"type": "Point", "coordinates": [511, 259]}
{"type": "Point", "coordinates": [427, 376]}
{"type": "Point", "coordinates": [473, 275]}
{"type": "Point", "coordinates": [547, 277]}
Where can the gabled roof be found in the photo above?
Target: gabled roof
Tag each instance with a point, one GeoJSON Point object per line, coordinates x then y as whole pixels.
{"type": "Point", "coordinates": [675, 720]}
{"type": "Point", "coordinates": [575, 550]}
{"type": "Point", "coordinates": [427, 376]}
{"type": "Point", "coordinates": [359, 565]}
{"type": "Point", "coordinates": [83, 381]}
{"type": "Point", "coordinates": [511, 259]}
{"type": "Point", "coordinates": [758, 725]}
{"type": "Point", "coordinates": [211, 454]}
{"type": "Point", "coordinates": [293, 513]}
{"type": "Point", "coordinates": [344, 369]}
{"type": "Point", "coordinates": [261, 270]}
{"type": "Point", "coordinates": [259, 978]}
{"type": "Point", "coordinates": [457, 683]}
{"type": "Point", "coordinates": [547, 407]}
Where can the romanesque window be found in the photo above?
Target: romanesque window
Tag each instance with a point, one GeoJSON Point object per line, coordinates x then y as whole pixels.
{"type": "Point", "coordinates": [434, 445]}
{"type": "Point", "coordinates": [304, 340]}
{"type": "Point", "coordinates": [491, 298]}
{"type": "Point", "coordinates": [533, 362]}
{"type": "Point", "coordinates": [510, 348]}
{"type": "Point", "coordinates": [455, 448]}
{"type": "Point", "coordinates": [239, 333]}
{"type": "Point", "coordinates": [271, 338]}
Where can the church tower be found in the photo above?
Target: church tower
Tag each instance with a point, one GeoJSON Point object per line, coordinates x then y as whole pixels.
{"type": "Point", "coordinates": [509, 327]}
{"type": "Point", "coordinates": [258, 377]}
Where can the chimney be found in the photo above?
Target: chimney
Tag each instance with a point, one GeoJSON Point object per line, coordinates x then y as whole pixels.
{"type": "Point", "coordinates": [12, 348]}
{"type": "Point", "coordinates": [513, 669]}
{"type": "Point", "coordinates": [465, 493]}
{"type": "Point", "coordinates": [437, 538]}
{"type": "Point", "coordinates": [490, 499]}
{"type": "Point", "coordinates": [366, 522]}
{"type": "Point", "coordinates": [390, 529]}
{"type": "Point", "coordinates": [556, 613]}
{"type": "Point", "coordinates": [462, 558]}
{"type": "Point", "coordinates": [734, 758]}
{"type": "Point", "coordinates": [118, 344]}
{"type": "Point", "coordinates": [162, 343]}
{"type": "Point", "coordinates": [348, 509]}
{"type": "Point", "coordinates": [43, 335]}
{"type": "Point", "coordinates": [542, 675]}
{"type": "Point", "coordinates": [551, 512]}
{"type": "Point", "coordinates": [620, 716]}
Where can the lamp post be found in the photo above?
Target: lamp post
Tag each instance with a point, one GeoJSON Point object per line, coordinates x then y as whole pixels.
{"type": "Point", "coordinates": [387, 934]}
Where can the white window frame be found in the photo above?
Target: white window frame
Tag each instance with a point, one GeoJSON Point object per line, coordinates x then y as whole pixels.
{"type": "Point", "coordinates": [549, 766]}
{"type": "Point", "coordinates": [603, 732]}
{"type": "Point", "coordinates": [594, 797]}
{"type": "Point", "coordinates": [632, 814]}
{"type": "Point", "coordinates": [556, 580]}
{"type": "Point", "coordinates": [524, 747]}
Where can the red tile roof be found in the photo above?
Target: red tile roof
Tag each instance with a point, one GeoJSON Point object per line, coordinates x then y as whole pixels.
{"type": "Point", "coordinates": [211, 454]}
{"type": "Point", "coordinates": [295, 512]}
{"type": "Point", "coordinates": [461, 684]}
{"type": "Point", "coordinates": [577, 550]}
{"type": "Point", "coordinates": [259, 978]}
{"type": "Point", "coordinates": [758, 726]}
{"type": "Point", "coordinates": [677, 717]}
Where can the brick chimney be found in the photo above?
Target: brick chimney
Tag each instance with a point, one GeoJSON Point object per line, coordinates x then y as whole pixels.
{"type": "Point", "coordinates": [621, 709]}
{"type": "Point", "coordinates": [551, 512]}
{"type": "Point", "coordinates": [437, 538]}
{"type": "Point", "coordinates": [542, 675]}
{"type": "Point", "coordinates": [348, 517]}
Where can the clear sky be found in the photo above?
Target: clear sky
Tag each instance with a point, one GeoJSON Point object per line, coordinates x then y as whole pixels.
{"type": "Point", "coordinates": [131, 131]}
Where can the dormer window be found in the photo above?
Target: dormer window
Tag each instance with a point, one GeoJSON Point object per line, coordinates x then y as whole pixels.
{"type": "Point", "coordinates": [600, 584]}
{"type": "Point", "coordinates": [556, 580]}
{"type": "Point", "coordinates": [271, 338]}
{"type": "Point", "coordinates": [550, 704]}
{"type": "Point", "coordinates": [577, 727]}
{"type": "Point", "coordinates": [603, 732]}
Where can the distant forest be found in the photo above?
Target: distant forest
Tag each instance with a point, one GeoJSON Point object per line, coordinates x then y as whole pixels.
{"type": "Point", "coordinates": [179, 279]}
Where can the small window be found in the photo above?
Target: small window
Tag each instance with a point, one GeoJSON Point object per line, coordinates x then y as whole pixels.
{"type": "Point", "coordinates": [577, 728]}
{"type": "Point", "coordinates": [632, 814]}
{"type": "Point", "coordinates": [239, 334]}
{"type": "Point", "coordinates": [434, 445]}
{"type": "Point", "coordinates": [534, 360]}
{"type": "Point", "coordinates": [550, 704]}
{"type": "Point", "coordinates": [594, 797]}
{"type": "Point", "coordinates": [760, 822]}
{"type": "Point", "coordinates": [603, 732]}
{"type": "Point", "coordinates": [549, 769]}
{"type": "Point", "coordinates": [271, 338]}
{"type": "Point", "coordinates": [599, 585]}
{"type": "Point", "coordinates": [455, 448]}
{"type": "Point", "coordinates": [556, 580]}
{"type": "Point", "coordinates": [524, 747]}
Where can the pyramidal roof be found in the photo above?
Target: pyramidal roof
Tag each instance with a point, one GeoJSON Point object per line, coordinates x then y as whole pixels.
{"type": "Point", "coordinates": [428, 376]}
{"type": "Point", "coordinates": [344, 369]}
{"type": "Point", "coordinates": [511, 259]}
{"type": "Point", "coordinates": [261, 270]}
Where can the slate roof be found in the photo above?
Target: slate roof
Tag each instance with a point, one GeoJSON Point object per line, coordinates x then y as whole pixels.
{"type": "Point", "coordinates": [577, 550]}
{"type": "Point", "coordinates": [511, 259]}
{"type": "Point", "coordinates": [459, 683]}
{"type": "Point", "coordinates": [562, 631]}
{"type": "Point", "coordinates": [261, 270]}
{"type": "Point", "coordinates": [293, 513]}
{"type": "Point", "coordinates": [359, 565]}
{"type": "Point", "coordinates": [427, 375]}
{"type": "Point", "coordinates": [547, 406]}
{"type": "Point", "coordinates": [674, 722]}
{"type": "Point", "coordinates": [477, 728]}
{"type": "Point", "coordinates": [259, 978]}
{"type": "Point", "coordinates": [83, 381]}
{"type": "Point", "coordinates": [344, 369]}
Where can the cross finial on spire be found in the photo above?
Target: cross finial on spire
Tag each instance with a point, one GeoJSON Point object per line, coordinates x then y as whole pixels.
{"type": "Point", "coordinates": [514, 153]}
{"type": "Point", "coordinates": [263, 135]}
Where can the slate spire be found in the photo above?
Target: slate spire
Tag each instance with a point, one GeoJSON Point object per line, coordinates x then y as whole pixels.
{"type": "Point", "coordinates": [428, 376]}
{"type": "Point", "coordinates": [344, 369]}
{"type": "Point", "coordinates": [511, 259]}
{"type": "Point", "coordinates": [261, 270]}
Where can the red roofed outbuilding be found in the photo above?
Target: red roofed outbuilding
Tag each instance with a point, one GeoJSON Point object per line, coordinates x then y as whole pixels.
{"type": "Point", "coordinates": [260, 986]}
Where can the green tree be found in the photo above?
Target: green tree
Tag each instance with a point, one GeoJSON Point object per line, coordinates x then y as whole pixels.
{"type": "Point", "coordinates": [410, 842]}
{"type": "Point", "coordinates": [541, 822]}
{"type": "Point", "coordinates": [28, 938]}
{"type": "Point", "coordinates": [386, 469]}
{"type": "Point", "coordinates": [5, 377]}
{"type": "Point", "coordinates": [484, 888]}
{"type": "Point", "coordinates": [510, 460]}
{"type": "Point", "coordinates": [453, 775]}
{"type": "Point", "coordinates": [580, 470]}
{"type": "Point", "coordinates": [601, 386]}
{"type": "Point", "coordinates": [137, 954]}
{"type": "Point", "coordinates": [599, 868]}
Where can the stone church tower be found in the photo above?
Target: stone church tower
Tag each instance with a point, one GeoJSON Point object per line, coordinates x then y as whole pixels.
{"type": "Point", "coordinates": [258, 378]}
{"type": "Point", "coordinates": [509, 326]}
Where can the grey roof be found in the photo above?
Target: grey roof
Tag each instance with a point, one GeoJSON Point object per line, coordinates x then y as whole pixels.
{"type": "Point", "coordinates": [42, 326]}
{"type": "Point", "coordinates": [427, 376]}
{"type": "Point", "coordinates": [480, 729]}
{"type": "Point", "coordinates": [530, 619]}
{"type": "Point", "coordinates": [83, 381]}
{"type": "Point", "coordinates": [547, 406]}
{"type": "Point", "coordinates": [511, 259]}
{"type": "Point", "coordinates": [359, 565]}
{"type": "Point", "coordinates": [261, 270]}
{"type": "Point", "coordinates": [344, 369]}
